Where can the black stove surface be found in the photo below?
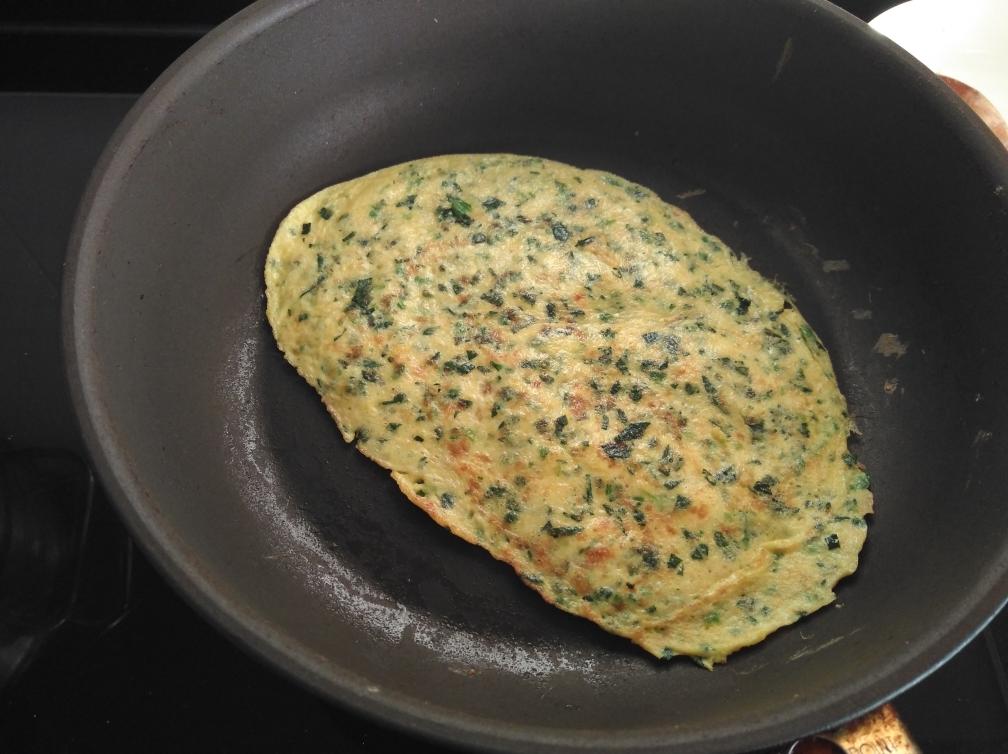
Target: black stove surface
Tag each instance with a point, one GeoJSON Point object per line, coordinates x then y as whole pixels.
{"type": "Point", "coordinates": [153, 673]}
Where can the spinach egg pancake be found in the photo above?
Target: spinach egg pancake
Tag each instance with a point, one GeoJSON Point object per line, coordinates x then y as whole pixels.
{"type": "Point", "coordinates": [560, 367]}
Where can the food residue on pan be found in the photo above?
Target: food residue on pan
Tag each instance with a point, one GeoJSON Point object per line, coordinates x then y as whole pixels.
{"type": "Point", "coordinates": [888, 344]}
{"type": "Point", "coordinates": [691, 193]}
{"type": "Point", "coordinates": [835, 265]}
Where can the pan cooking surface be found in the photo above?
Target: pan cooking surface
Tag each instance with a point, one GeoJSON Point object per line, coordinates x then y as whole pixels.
{"type": "Point", "coordinates": [369, 555]}
{"type": "Point", "coordinates": [230, 472]}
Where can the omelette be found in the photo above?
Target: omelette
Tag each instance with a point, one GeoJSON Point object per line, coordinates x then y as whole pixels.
{"type": "Point", "coordinates": [560, 367]}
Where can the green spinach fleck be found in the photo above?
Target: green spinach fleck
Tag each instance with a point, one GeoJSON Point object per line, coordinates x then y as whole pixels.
{"type": "Point", "coordinates": [633, 431]}
{"type": "Point", "coordinates": [458, 210]}
{"type": "Point", "coordinates": [560, 232]}
{"type": "Point", "coordinates": [561, 531]}
{"type": "Point", "coordinates": [675, 563]}
{"type": "Point", "coordinates": [616, 449]}
{"type": "Point", "coordinates": [700, 552]}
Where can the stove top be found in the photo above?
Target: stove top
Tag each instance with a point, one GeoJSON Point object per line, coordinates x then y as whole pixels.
{"type": "Point", "coordinates": [111, 656]}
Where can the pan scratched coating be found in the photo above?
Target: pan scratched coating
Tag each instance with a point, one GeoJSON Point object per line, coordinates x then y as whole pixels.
{"type": "Point", "coordinates": [560, 367]}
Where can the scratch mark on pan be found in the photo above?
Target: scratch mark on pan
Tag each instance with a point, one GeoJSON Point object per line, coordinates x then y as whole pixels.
{"type": "Point", "coordinates": [782, 61]}
{"type": "Point", "coordinates": [691, 193]}
{"type": "Point", "coordinates": [861, 314]}
{"type": "Point", "coordinates": [888, 344]}
{"type": "Point", "coordinates": [751, 670]}
{"type": "Point", "coordinates": [982, 437]}
{"type": "Point", "coordinates": [806, 651]}
{"type": "Point", "coordinates": [835, 265]}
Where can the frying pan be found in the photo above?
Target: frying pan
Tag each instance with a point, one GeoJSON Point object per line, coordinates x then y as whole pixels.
{"type": "Point", "coordinates": [838, 164]}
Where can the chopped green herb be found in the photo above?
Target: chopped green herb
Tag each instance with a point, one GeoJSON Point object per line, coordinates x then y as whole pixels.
{"type": "Point", "coordinates": [650, 557]}
{"type": "Point", "coordinates": [756, 428]}
{"type": "Point", "coordinates": [861, 482]}
{"type": "Point", "coordinates": [457, 210]}
{"type": "Point", "coordinates": [712, 393]}
{"type": "Point", "coordinates": [764, 487]}
{"type": "Point", "coordinates": [561, 531]}
{"type": "Point", "coordinates": [633, 431]}
{"type": "Point", "coordinates": [616, 450]}
{"type": "Point", "coordinates": [560, 232]}
{"type": "Point", "coordinates": [361, 299]}
{"type": "Point", "coordinates": [493, 296]}
{"type": "Point", "coordinates": [313, 287]}
{"type": "Point", "coordinates": [458, 366]}
{"type": "Point", "coordinates": [601, 594]}
{"type": "Point", "coordinates": [559, 424]}
{"type": "Point", "coordinates": [638, 516]}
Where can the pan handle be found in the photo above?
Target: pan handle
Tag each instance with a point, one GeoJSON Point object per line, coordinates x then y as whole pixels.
{"type": "Point", "coordinates": [881, 730]}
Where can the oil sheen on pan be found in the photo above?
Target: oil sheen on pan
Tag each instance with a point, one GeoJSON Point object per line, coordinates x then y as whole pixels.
{"type": "Point", "coordinates": [567, 371]}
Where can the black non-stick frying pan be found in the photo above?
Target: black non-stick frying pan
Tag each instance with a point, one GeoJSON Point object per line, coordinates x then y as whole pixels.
{"type": "Point", "coordinates": [838, 164]}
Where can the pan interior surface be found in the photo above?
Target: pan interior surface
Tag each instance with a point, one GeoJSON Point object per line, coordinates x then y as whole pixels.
{"type": "Point", "coordinates": [803, 140]}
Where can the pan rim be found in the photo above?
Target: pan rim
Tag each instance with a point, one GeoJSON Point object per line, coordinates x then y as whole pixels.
{"type": "Point", "coordinates": [408, 713]}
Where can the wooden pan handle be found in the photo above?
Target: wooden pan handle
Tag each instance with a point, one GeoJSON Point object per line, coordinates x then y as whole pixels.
{"type": "Point", "coordinates": [879, 732]}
